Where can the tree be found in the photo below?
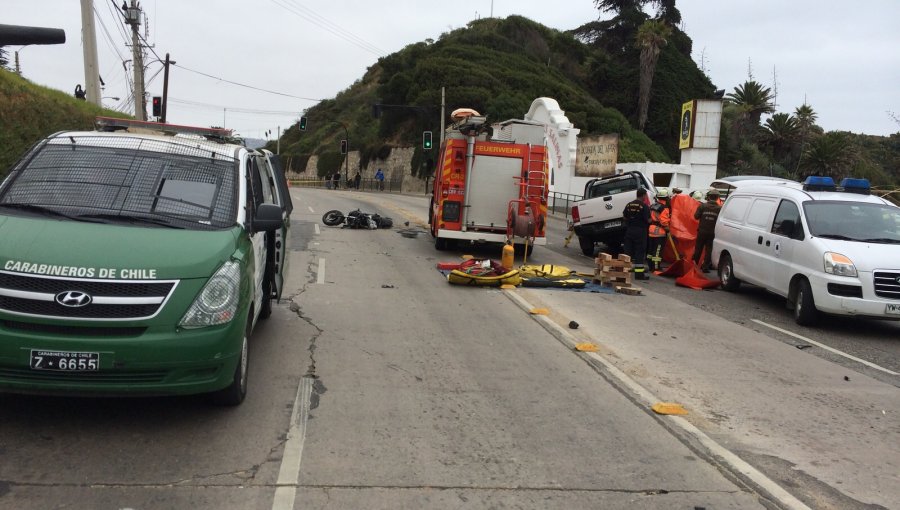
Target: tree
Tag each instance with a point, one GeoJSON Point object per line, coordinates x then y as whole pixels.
{"type": "Point", "coordinates": [4, 59]}
{"type": "Point", "coordinates": [651, 37]}
{"type": "Point", "coordinates": [753, 99]}
{"type": "Point", "coordinates": [779, 133]}
{"type": "Point", "coordinates": [831, 155]}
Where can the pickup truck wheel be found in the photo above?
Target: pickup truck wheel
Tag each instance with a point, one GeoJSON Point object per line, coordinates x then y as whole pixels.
{"type": "Point", "coordinates": [440, 243]}
{"type": "Point", "coordinates": [726, 273]}
{"type": "Point", "coordinates": [805, 313]}
{"type": "Point", "coordinates": [587, 245]}
{"type": "Point", "coordinates": [233, 394]}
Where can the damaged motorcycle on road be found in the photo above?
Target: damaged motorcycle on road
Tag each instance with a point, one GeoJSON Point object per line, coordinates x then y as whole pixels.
{"type": "Point", "coordinates": [356, 219]}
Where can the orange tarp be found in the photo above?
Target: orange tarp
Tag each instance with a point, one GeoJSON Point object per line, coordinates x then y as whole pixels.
{"type": "Point", "coordinates": [683, 227]}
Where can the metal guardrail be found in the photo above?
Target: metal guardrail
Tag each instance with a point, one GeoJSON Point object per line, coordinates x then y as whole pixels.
{"type": "Point", "coordinates": [561, 203]}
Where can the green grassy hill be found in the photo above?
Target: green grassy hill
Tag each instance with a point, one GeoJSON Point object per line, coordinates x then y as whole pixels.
{"type": "Point", "coordinates": [29, 112]}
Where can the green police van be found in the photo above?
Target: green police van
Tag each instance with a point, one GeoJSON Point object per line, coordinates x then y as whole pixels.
{"type": "Point", "coordinates": [136, 260]}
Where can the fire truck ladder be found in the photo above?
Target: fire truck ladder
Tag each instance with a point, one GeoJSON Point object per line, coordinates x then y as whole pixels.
{"type": "Point", "coordinates": [523, 219]}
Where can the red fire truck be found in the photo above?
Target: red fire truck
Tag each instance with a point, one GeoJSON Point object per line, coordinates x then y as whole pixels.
{"type": "Point", "coordinates": [490, 190]}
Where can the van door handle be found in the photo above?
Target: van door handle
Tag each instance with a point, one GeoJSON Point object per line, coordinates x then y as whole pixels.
{"type": "Point", "coordinates": [759, 240]}
{"type": "Point", "coordinates": [768, 242]}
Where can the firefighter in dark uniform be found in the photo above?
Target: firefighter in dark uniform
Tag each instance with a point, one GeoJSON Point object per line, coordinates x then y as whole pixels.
{"type": "Point", "coordinates": [637, 221]}
{"type": "Point", "coordinates": [707, 213]}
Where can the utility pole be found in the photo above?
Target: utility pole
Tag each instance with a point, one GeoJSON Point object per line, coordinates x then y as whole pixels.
{"type": "Point", "coordinates": [165, 102]}
{"type": "Point", "coordinates": [443, 105]}
{"type": "Point", "coordinates": [278, 143]}
{"type": "Point", "coordinates": [133, 18]}
{"type": "Point", "coordinates": [89, 45]}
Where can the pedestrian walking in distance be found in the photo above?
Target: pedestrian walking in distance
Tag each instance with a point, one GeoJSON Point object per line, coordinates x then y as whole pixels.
{"type": "Point", "coordinates": [637, 222]}
{"type": "Point", "coordinates": [379, 178]}
{"type": "Point", "coordinates": [707, 213]}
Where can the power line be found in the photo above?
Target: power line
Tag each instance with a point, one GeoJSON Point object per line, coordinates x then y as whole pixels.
{"type": "Point", "coordinates": [230, 109]}
{"type": "Point", "coordinates": [245, 85]}
{"type": "Point", "coordinates": [323, 23]}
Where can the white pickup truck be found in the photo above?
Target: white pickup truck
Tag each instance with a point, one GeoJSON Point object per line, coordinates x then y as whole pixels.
{"type": "Point", "coordinates": [598, 216]}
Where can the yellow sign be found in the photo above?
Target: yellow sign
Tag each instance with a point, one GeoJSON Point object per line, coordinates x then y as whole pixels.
{"type": "Point", "coordinates": [597, 156]}
{"type": "Point", "coordinates": [686, 138]}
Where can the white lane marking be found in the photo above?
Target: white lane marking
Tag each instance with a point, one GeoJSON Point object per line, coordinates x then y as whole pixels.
{"type": "Point", "coordinates": [320, 277]}
{"type": "Point", "coordinates": [823, 346]}
{"type": "Point", "coordinates": [289, 472]}
{"type": "Point", "coordinates": [317, 228]}
{"type": "Point", "coordinates": [310, 209]}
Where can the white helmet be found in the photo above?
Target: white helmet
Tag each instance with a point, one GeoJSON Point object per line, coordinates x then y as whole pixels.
{"type": "Point", "coordinates": [662, 192]}
{"type": "Point", "coordinates": [697, 195]}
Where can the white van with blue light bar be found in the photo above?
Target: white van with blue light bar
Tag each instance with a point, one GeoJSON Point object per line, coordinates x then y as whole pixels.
{"type": "Point", "coordinates": [826, 248]}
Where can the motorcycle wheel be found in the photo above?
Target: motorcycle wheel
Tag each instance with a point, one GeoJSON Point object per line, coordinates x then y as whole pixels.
{"type": "Point", "coordinates": [333, 218]}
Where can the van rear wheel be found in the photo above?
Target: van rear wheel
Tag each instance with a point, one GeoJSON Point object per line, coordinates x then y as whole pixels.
{"type": "Point", "coordinates": [805, 313]}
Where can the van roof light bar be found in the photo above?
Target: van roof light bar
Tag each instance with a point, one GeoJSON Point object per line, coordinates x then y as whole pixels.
{"type": "Point", "coordinates": [113, 124]}
{"type": "Point", "coordinates": [851, 185]}
{"type": "Point", "coordinates": [819, 183]}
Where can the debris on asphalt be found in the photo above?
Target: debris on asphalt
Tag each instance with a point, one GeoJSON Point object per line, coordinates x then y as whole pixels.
{"type": "Point", "coordinates": [802, 346]}
{"type": "Point", "coordinates": [586, 347]}
{"type": "Point", "coordinates": [539, 311]}
{"type": "Point", "coordinates": [386, 286]}
{"type": "Point", "coordinates": [573, 325]}
{"type": "Point", "coordinates": [668, 408]}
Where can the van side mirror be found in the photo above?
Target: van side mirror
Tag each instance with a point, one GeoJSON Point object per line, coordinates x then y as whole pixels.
{"type": "Point", "coordinates": [268, 218]}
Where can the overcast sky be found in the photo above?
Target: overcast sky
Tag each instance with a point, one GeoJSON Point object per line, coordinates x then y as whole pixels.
{"type": "Point", "coordinates": [843, 59]}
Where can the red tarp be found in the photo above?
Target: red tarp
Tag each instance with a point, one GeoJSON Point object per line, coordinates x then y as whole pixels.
{"type": "Point", "coordinates": [693, 278]}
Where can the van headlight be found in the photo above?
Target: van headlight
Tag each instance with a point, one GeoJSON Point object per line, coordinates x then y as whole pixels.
{"type": "Point", "coordinates": [217, 302]}
{"type": "Point", "coordinates": [839, 265]}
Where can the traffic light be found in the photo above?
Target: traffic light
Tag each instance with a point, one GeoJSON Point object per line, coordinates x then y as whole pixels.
{"type": "Point", "coordinates": [343, 146]}
{"type": "Point", "coordinates": [302, 123]}
{"type": "Point", "coordinates": [426, 140]}
{"type": "Point", "coordinates": [157, 106]}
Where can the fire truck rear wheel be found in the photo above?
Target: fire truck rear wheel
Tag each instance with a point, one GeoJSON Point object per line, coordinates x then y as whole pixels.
{"type": "Point", "coordinates": [441, 243]}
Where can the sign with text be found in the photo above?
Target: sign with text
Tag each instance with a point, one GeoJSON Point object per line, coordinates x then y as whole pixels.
{"type": "Point", "coordinates": [597, 155]}
{"type": "Point", "coordinates": [688, 117]}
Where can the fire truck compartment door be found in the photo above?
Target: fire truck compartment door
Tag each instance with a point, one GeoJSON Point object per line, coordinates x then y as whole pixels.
{"type": "Point", "coordinates": [495, 181]}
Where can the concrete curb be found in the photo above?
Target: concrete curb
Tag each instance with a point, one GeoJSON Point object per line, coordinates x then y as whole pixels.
{"type": "Point", "coordinates": [737, 466]}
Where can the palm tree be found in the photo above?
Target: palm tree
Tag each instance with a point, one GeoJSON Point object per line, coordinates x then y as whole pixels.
{"type": "Point", "coordinates": [831, 155]}
{"type": "Point", "coordinates": [779, 133]}
{"type": "Point", "coordinates": [752, 101]}
{"type": "Point", "coordinates": [806, 119]}
{"type": "Point", "coordinates": [651, 37]}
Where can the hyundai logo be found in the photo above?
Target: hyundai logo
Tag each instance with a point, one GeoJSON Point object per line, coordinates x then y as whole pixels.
{"type": "Point", "coordinates": [73, 298]}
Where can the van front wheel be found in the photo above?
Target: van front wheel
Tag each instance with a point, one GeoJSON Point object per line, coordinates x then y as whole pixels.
{"type": "Point", "coordinates": [805, 313]}
{"type": "Point", "coordinates": [726, 273]}
{"type": "Point", "coordinates": [233, 394]}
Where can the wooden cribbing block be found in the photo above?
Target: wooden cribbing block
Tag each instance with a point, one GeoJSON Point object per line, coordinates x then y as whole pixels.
{"type": "Point", "coordinates": [631, 291]}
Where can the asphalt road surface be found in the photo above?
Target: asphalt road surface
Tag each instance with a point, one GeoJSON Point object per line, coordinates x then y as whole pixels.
{"type": "Point", "coordinates": [377, 385]}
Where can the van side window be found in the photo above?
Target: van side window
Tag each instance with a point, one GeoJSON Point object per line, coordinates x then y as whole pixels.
{"type": "Point", "coordinates": [736, 208]}
{"type": "Point", "coordinates": [787, 221]}
{"type": "Point", "coordinates": [761, 213]}
{"type": "Point", "coordinates": [266, 182]}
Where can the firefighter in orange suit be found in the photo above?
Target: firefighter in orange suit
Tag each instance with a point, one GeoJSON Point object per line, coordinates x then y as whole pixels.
{"type": "Point", "coordinates": [660, 216]}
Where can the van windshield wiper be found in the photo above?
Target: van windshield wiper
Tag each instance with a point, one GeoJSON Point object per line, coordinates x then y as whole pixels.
{"type": "Point", "coordinates": [838, 236]}
{"type": "Point", "coordinates": [38, 209]}
{"type": "Point", "coordinates": [131, 218]}
{"type": "Point", "coordinates": [884, 240]}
